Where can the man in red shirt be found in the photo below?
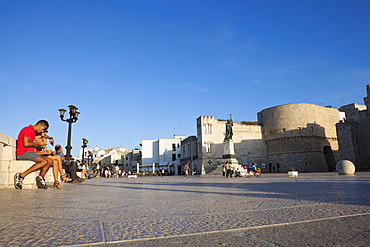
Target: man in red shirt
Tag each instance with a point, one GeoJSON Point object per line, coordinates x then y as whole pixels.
{"type": "Point", "coordinates": [26, 151]}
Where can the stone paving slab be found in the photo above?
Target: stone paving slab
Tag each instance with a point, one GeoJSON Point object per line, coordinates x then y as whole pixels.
{"type": "Point", "coordinates": [171, 211]}
{"type": "Point", "coordinates": [314, 233]}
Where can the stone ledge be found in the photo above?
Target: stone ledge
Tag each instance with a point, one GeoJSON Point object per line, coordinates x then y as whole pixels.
{"type": "Point", "coordinates": [7, 140]}
{"type": "Point", "coordinates": [10, 168]}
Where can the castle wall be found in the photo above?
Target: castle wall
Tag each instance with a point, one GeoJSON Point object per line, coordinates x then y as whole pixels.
{"type": "Point", "coordinates": [363, 140]}
{"type": "Point", "coordinates": [301, 136]}
{"type": "Point", "coordinates": [347, 140]}
{"type": "Point", "coordinates": [354, 134]}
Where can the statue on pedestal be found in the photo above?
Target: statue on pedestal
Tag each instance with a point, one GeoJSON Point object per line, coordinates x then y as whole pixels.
{"type": "Point", "coordinates": [229, 129]}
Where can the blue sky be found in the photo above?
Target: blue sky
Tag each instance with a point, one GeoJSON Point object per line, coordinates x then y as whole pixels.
{"type": "Point", "coordinates": [147, 69]}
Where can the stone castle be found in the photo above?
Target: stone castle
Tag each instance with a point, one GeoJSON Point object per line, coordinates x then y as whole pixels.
{"type": "Point", "coordinates": [354, 133]}
{"type": "Point", "coordinates": [301, 136]}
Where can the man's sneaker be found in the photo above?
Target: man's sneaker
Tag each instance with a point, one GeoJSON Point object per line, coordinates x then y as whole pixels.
{"type": "Point", "coordinates": [18, 181]}
{"type": "Point", "coordinates": [40, 181]}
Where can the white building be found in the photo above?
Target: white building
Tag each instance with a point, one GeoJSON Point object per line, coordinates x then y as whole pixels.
{"type": "Point", "coordinates": [132, 160]}
{"type": "Point", "coordinates": [162, 153]}
{"type": "Point", "coordinates": [189, 154]}
{"type": "Point", "coordinates": [122, 157]}
{"type": "Point", "coordinates": [91, 153]}
{"type": "Point", "coordinates": [248, 142]}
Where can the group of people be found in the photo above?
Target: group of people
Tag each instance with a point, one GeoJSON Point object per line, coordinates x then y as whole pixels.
{"type": "Point", "coordinates": [32, 145]}
{"type": "Point", "coordinates": [228, 170]}
{"type": "Point", "coordinates": [107, 172]}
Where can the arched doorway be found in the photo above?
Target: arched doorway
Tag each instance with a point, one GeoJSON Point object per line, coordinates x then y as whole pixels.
{"type": "Point", "coordinates": [329, 157]}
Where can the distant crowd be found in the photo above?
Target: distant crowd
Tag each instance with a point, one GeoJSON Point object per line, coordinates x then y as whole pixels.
{"type": "Point", "coordinates": [104, 172]}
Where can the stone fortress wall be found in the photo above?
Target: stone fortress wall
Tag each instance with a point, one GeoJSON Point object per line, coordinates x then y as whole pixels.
{"type": "Point", "coordinates": [301, 136]}
{"type": "Point", "coordinates": [354, 133]}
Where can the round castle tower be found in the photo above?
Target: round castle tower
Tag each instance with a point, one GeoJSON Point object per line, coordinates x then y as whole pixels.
{"type": "Point", "coordinates": [300, 136]}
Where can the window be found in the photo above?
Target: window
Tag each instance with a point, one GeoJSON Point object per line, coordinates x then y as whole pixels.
{"type": "Point", "coordinates": [207, 128]}
{"type": "Point", "coordinates": [208, 146]}
{"type": "Point", "coordinates": [174, 147]}
{"type": "Point", "coordinates": [173, 157]}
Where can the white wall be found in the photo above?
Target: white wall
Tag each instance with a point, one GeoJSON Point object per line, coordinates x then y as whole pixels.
{"type": "Point", "coordinates": [149, 152]}
{"type": "Point", "coordinates": [160, 151]}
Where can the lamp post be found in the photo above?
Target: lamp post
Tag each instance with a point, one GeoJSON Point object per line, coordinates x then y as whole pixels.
{"type": "Point", "coordinates": [84, 145]}
{"type": "Point", "coordinates": [73, 116]}
{"type": "Point", "coordinates": [89, 158]}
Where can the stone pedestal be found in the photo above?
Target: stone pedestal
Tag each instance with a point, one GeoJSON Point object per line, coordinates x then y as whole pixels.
{"type": "Point", "coordinates": [229, 153]}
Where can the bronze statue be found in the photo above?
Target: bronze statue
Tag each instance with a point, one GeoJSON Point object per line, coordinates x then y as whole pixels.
{"type": "Point", "coordinates": [229, 129]}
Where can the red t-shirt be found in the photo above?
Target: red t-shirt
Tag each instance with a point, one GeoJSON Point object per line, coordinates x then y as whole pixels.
{"type": "Point", "coordinates": [30, 132]}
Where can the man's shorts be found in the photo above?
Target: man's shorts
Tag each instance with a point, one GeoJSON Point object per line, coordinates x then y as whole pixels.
{"type": "Point", "coordinates": [28, 155]}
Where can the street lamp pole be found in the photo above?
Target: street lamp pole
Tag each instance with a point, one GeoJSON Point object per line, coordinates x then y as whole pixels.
{"type": "Point", "coordinates": [89, 159]}
{"type": "Point", "coordinates": [84, 145]}
{"type": "Point", "coordinates": [73, 116]}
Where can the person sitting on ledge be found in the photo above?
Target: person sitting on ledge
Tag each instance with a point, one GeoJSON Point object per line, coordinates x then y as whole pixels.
{"type": "Point", "coordinates": [26, 151]}
{"type": "Point", "coordinates": [69, 168]}
{"type": "Point", "coordinates": [49, 154]}
{"type": "Point", "coordinates": [237, 173]}
{"type": "Point", "coordinates": [83, 169]}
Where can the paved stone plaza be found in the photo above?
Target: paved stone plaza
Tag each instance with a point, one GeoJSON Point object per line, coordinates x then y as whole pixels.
{"type": "Point", "coordinates": [314, 209]}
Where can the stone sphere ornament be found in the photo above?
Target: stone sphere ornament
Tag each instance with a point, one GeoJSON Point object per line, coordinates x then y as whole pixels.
{"type": "Point", "coordinates": [345, 167]}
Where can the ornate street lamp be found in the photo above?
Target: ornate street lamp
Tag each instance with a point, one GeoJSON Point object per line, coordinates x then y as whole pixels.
{"type": "Point", "coordinates": [84, 145]}
{"type": "Point", "coordinates": [73, 116]}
